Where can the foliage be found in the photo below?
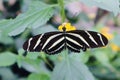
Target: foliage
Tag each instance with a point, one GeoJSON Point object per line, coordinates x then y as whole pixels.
{"type": "Point", "coordinates": [36, 76]}
{"type": "Point", "coordinates": [71, 69]}
{"type": "Point", "coordinates": [94, 64]}
{"type": "Point", "coordinates": [8, 58]}
{"type": "Point", "coordinates": [38, 12]}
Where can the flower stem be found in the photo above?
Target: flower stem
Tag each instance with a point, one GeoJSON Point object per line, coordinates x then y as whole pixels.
{"type": "Point", "coordinates": [61, 4]}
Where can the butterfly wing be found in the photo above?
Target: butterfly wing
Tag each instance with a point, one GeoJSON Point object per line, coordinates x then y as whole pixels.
{"type": "Point", "coordinates": [80, 39]}
{"type": "Point", "coordinates": [55, 42]}
{"type": "Point", "coordinates": [50, 43]}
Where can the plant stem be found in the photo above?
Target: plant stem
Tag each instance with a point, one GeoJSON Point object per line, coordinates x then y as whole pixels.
{"type": "Point", "coordinates": [61, 4]}
{"type": "Point", "coordinates": [54, 5]}
{"type": "Point", "coordinates": [25, 33]}
{"type": "Point", "coordinates": [116, 21]}
{"type": "Point", "coordinates": [46, 61]}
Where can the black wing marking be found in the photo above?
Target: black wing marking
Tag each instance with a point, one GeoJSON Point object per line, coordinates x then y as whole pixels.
{"type": "Point", "coordinates": [88, 39]}
{"type": "Point", "coordinates": [55, 42]}
{"type": "Point", "coordinates": [50, 43]}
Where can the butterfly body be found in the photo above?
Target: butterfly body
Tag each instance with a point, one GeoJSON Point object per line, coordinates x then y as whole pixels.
{"type": "Point", "coordinates": [55, 42]}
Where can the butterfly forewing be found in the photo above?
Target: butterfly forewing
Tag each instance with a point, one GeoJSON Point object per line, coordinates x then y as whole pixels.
{"type": "Point", "coordinates": [44, 42]}
{"type": "Point", "coordinates": [88, 39]}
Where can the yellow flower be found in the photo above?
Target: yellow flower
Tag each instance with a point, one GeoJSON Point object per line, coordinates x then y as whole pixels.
{"type": "Point", "coordinates": [105, 29]}
{"type": "Point", "coordinates": [108, 35]}
{"type": "Point", "coordinates": [115, 47]}
{"type": "Point", "coordinates": [67, 26]}
{"type": "Point", "coordinates": [105, 32]}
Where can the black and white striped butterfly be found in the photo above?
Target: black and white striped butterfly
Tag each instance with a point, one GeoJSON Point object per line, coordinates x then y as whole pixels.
{"type": "Point", "coordinates": [55, 42]}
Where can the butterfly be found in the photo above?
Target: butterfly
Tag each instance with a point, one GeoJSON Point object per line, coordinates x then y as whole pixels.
{"type": "Point", "coordinates": [73, 40]}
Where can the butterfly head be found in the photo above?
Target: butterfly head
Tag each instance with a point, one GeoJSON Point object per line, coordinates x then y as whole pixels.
{"type": "Point", "coordinates": [66, 27]}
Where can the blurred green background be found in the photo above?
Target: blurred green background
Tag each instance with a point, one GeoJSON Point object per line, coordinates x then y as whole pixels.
{"type": "Point", "coordinates": [22, 19]}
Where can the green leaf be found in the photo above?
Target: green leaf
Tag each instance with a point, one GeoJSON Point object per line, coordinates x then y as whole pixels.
{"type": "Point", "coordinates": [19, 61]}
{"type": "Point", "coordinates": [35, 63]}
{"type": "Point", "coordinates": [3, 24]}
{"type": "Point", "coordinates": [21, 52]}
{"type": "Point", "coordinates": [7, 74]}
{"type": "Point", "coordinates": [30, 60]}
{"type": "Point", "coordinates": [39, 76]}
{"type": "Point", "coordinates": [37, 15]}
{"type": "Point", "coordinates": [43, 29]}
{"type": "Point", "coordinates": [83, 56]}
{"type": "Point", "coordinates": [102, 57]}
{"type": "Point", "coordinates": [20, 57]}
{"type": "Point", "coordinates": [5, 39]}
{"type": "Point", "coordinates": [7, 58]}
{"type": "Point", "coordinates": [104, 72]}
{"type": "Point", "coordinates": [33, 55]}
{"type": "Point", "coordinates": [116, 62]}
{"type": "Point", "coordinates": [71, 69]}
{"type": "Point", "coordinates": [104, 4]}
